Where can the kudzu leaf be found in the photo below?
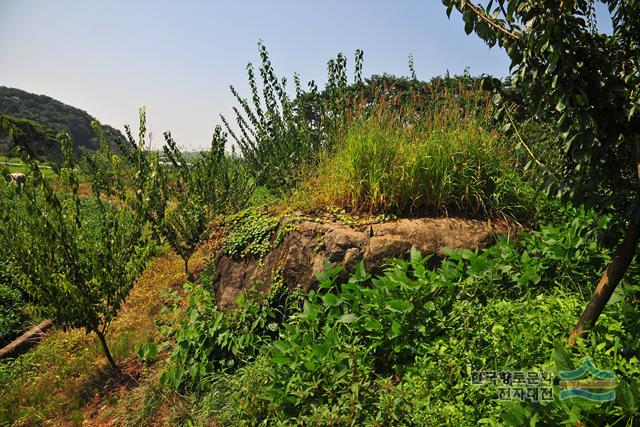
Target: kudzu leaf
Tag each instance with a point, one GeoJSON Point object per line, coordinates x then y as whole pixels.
{"type": "Point", "coordinates": [330, 299]}
{"type": "Point", "coordinates": [626, 395]}
{"type": "Point", "coordinates": [282, 360]}
{"type": "Point", "coordinates": [561, 357]}
{"type": "Point", "coordinates": [399, 306]}
{"type": "Point", "coordinates": [429, 306]}
{"type": "Point", "coordinates": [416, 255]}
{"type": "Point", "coordinates": [372, 325]}
{"type": "Point", "coordinates": [347, 318]}
{"type": "Point", "coordinates": [310, 366]}
{"type": "Point", "coordinates": [395, 329]}
{"type": "Point", "coordinates": [193, 371]}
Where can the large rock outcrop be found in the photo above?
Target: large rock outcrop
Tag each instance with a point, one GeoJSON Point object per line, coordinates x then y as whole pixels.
{"type": "Point", "coordinates": [302, 252]}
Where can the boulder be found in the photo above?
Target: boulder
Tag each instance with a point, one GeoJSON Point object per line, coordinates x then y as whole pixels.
{"type": "Point", "coordinates": [303, 250]}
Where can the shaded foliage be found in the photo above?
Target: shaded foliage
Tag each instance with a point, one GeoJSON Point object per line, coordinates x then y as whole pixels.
{"type": "Point", "coordinates": [586, 82]}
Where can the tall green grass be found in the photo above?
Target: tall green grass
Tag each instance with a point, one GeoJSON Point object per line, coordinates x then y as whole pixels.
{"type": "Point", "coordinates": [432, 164]}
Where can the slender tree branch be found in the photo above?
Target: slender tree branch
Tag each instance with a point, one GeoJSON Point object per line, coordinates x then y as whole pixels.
{"type": "Point", "coordinates": [524, 144]}
{"type": "Point", "coordinates": [490, 21]}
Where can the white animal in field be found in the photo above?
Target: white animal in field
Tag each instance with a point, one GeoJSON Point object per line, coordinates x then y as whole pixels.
{"type": "Point", "coordinates": [18, 178]}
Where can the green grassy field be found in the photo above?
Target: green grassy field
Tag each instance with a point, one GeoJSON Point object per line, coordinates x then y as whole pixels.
{"type": "Point", "coordinates": [14, 164]}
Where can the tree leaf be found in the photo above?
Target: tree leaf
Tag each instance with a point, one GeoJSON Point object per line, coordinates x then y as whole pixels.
{"type": "Point", "coordinates": [330, 299]}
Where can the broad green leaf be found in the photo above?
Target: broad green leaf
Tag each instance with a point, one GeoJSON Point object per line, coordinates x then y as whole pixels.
{"type": "Point", "coordinates": [282, 360]}
{"type": "Point", "coordinates": [395, 329]}
{"type": "Point", "coordinates": [372, 325]}
{"type": "Point", "coordinates": [416, 255]}
{"type": "Point", "coordinates": [330, 299]}
{"type": "Point", "coordinates": [399, 306]}
{"type": "Point", "coordinates": [627, 395]}
{"type": "Point", "coordinates": [347, 318]}
{"type": "Point", "coordinates": [561, 357]}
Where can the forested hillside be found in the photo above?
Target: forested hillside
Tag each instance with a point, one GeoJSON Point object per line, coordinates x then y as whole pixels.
{"type": "Point", "coordinates": [39, 117]}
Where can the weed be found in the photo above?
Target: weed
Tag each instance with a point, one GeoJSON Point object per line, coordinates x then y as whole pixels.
{"type": "Point", "coordinates": [250, 232]}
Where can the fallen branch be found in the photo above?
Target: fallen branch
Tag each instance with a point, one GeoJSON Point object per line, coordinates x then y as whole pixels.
{"type": "Point", "coordinates": [26, 340]}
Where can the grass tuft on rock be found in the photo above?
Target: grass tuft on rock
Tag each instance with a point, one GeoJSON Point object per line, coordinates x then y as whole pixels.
{"type": "Point", "coordinates": [384, 163]}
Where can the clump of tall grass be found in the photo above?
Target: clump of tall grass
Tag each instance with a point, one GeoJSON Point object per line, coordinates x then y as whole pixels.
{"type": "Point", "coordinates": [442, 160]}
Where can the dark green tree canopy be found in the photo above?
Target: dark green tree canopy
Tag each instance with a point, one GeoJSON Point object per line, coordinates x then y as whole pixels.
{"type": "Point", "coordinates": [586, 81]}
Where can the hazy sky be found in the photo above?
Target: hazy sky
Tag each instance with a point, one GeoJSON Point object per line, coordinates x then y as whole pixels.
{"type": "Point", "coordinates": [179, 57]}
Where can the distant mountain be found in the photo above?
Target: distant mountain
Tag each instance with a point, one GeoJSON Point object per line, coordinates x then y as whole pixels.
{"type": "Point", "coordinates": [38, 118]}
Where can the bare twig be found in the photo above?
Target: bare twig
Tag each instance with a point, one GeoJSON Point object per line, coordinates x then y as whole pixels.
{"type": "Point", "coordinates": [524, 144]}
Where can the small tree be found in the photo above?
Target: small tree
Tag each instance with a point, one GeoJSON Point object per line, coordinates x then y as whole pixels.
{"type": "Point", "coordinates": [149, 179]}
{"type": "Point", "coordinates": [587, 83]}
{"type": "Point", "coordinates": [209, 184]}
{"type": "Point", "coordinates": [76, 258]}
{"type": "Point", "coordinates": [218, 180]}
{"type": "Point", "coordinates": [275, 133]}
{"type": "Point", "coordinates": [184, 227]}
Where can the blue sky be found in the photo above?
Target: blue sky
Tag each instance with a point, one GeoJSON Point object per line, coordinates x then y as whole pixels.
{"type": "Point", "coordinates": [178, 57]}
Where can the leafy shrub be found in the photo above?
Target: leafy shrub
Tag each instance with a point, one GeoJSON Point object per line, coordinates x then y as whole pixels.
{"type": "Point", "coordinates": [210, 341]}
{"type": "Point", "coordinates": [399, 348]}
{"type": "Point", "coordinates": [565, 255]}
{"type": "Point", "coordinates": [353, 330]}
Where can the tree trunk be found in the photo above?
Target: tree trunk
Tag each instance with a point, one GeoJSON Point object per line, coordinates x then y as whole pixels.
{"type": "Point", "coordinates": [107, 353]}
{"type": "Point", "coordinates": [614, 271]}
{"type": "Point", "coordinates": [609, 280]}
{"type": "Point", "coordinates": [186, 267]}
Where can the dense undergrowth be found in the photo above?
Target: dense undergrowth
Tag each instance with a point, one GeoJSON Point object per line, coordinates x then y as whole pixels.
{"type": "Point", "coordinates": [398, 349]}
